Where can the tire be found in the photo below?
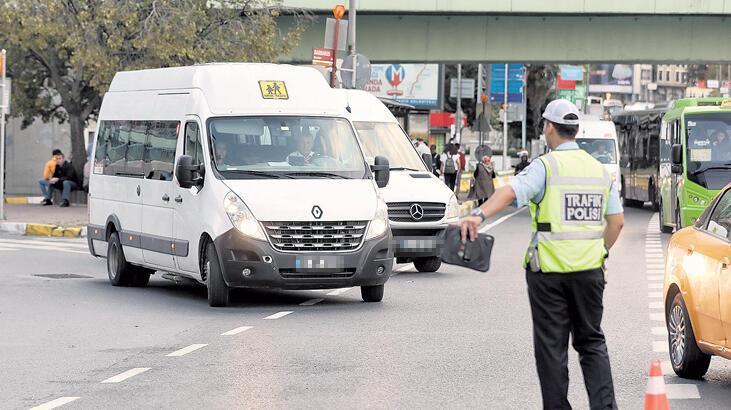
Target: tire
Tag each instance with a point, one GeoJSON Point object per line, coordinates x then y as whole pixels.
{"type": "Point", "coordinates": [688, 360]}
{"type": "Point", "coordinates": [141, 276]}
{"type": "Point", "coordinates": [120, 272]}
{"type": "Point", "coordinates": [372, 293]}
{"type": "Point", "coordinates": [678, 221]}
{"type": "Point", "coordinates": [218, 292]}
{"type": "Point", "coordinates": [430, 264]}
{"type": "Point", "coordinates": [654, 203]}
{"type": "Point", "coordinates": [664, 228]}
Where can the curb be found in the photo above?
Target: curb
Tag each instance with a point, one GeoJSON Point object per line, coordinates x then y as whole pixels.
{"type": "Point", "coordinates": [33, 229]}
{"type": "Point", "coordinates": [23, 199]}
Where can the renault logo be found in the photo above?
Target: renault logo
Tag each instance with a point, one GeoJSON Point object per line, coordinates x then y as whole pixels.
{"type": "Point", "coordinates": [416, 211]}
{"type": "Point", "coordinates": [317, 212]}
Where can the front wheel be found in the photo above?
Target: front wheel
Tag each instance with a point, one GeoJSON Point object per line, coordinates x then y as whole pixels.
{"type": "Point", "coordinates": [372, 293]}
{"type": "Point", "coordinates": [430, 264]}
{"type": "Point", "coordinates": [218, 291]}
{"type": "Point", "coordinates": [687, 359]}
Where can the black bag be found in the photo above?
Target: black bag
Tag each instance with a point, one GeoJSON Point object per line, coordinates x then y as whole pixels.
{"type": "Point", "coordinates": [473, 254]}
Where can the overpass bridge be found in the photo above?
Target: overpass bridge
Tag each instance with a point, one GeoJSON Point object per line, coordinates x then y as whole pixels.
{"type": "Point", "coordinates": [527, 31]}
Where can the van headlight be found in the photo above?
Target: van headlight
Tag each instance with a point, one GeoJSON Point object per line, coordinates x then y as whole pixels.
{"type": "Point", "coordinates": [379, 224]}
{"type": "Point", "coordinates": [241, 217]}
{"type": "Point", "coordinates": [453, 208]}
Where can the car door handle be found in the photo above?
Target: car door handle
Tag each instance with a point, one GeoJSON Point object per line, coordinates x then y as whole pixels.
{"type": "Point", "coordinates": [138, 190]}
{"type": "Point", "coordinates": [724, 263]}
{"type": "Point", "coordinates": [179, 199]}
{"type": "Point", "coordinates": [165, 197]}
{"type": "Point", "coordinates": [691, 249]}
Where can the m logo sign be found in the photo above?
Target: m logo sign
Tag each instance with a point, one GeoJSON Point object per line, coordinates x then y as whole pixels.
{"type": "Point", "coordinates": [582, 207]}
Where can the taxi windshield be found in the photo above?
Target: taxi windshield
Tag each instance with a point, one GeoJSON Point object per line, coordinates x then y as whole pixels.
{"type": "Point", "coordinates": [708, 148]}
{"type": "Point", "coordinates": [390, 141]}
{"type": "Point", "coordinates": [285, 147]}
{"type": "Point", "coordinates": [602, 149]}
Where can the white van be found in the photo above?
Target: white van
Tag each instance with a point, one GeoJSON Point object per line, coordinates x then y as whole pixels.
{"type": "Point", "coordinates": [420, 205]}
{"type": "Point", "coordinates": [235, 175]}
{"type": "Point", "coordinates": [599, 138]}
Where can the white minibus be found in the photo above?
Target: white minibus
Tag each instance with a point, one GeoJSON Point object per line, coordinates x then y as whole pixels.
{"type": "Point", "coordinates": [599, 138]}
{"type": "Point", "coordinates": [235, 175]}
{"type": "Point", "coordinates": [420, 205]}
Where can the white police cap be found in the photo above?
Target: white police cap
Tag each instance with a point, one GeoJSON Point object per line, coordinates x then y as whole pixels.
{"type": "Point", "coordinates": [557, 111]}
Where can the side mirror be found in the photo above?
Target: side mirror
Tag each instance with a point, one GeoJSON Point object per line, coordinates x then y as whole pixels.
{"type": "Point", "coordinates": [676, 168]}
{"type": "Point", "coordinates": [676, 154]}
{"type": "Point", "coordinates": [184, 171]}
{"type": "Point", "coordinates": [427, 161]}
{"type": "Point", "coordinates": [381, 170]}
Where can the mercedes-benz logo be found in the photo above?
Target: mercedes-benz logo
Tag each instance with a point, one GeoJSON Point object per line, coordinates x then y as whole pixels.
{"type": "Point", "coordinates": [416, 211]}
{"type": "Point", "coordinates": [317, 212]}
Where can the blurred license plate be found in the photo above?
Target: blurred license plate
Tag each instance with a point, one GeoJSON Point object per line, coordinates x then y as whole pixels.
{"type": "Point", "coordinates": [418, 244]}
{"type": "Point", "coordinates": [318, 262]}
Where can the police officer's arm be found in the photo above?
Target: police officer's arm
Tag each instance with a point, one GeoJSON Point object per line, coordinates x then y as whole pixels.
{"type": "Point", "coordinates": [501, 199]}
{"type": "Point", "coordinates": [611, 231]}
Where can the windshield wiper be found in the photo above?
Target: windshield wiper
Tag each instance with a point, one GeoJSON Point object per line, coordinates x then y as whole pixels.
{"type": "Point", "coordinates": [404, 169]}
{"type": "Point", "coordinates": [316, 174]}
{"type": "Point", "coordinates": [726, 165]}
{"type": "Point", "coordinates": [256, 173]}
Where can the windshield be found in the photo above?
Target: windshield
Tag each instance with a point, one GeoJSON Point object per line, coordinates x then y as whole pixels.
{"type": "Point", "coordinates": [708, 148]}
{"type": "Point", "coordinates": [389, 140]}
{"type": "Point", "coordinates": [601, 149]}
{"type": "Point", "coordinates": [285, 147]}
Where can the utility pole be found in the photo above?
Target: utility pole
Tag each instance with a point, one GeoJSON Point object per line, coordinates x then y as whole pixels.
{"type": "Point", "coordinates": [458, 115]}
{"type": "Point", "coordinates": [351, 36]}
{"type": "Point", "coordinates": [523, 125]}
{"type": "Point", "coordinates": [505, 122]}
{"type": "Point", "coordinates": [3, 108]}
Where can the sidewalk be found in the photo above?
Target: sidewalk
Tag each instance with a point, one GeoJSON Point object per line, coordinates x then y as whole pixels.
{"type": "Point", "coordinates": [34, 219]}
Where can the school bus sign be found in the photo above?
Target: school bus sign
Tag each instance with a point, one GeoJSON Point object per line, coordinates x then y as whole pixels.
{"type": "Point", "coordinates": [273, 90]}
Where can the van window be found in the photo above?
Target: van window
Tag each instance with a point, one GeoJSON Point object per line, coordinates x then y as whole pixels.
{"type": "Point", "coordinates": [193, 145]}
{"type": "Point", "coordinates": [135, 156]}
{"type": "Point", "coordinates": [602, 149]}
{"type": "Point", "coordinates": [162, 141]}
{"type": "Point", "coordinates": [390, 141]}
{"type": "Point", "coordinates": [285, 147]}
{"type": "Point", "coordinates": [111, 150]}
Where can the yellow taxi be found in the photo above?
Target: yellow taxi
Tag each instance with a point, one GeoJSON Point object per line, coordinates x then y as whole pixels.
{"type": "Point", "coordinates": [698, 290]}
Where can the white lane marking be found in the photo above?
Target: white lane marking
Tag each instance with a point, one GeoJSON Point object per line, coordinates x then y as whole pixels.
{"type": "Point", "coordinates": [55, 403]}
{"type": "Point", "coordinates": [75, 244]}
{"type": "Point", "coordinates": [500, 220]}
{"type": "Point", "coordinates": [42, 248]}
{"type": "Point", "coordinates": [655, 305]}
{"type": "Point", "coordinates": [660, 346]}
{"type": "Point", "coordinates": [657, 317]}
{"type": "Point", "coordinates": [655, 266]}
{"type": "Point", "coordinates": [8, 249]}
{"type": "Point", "coordinates": [311, 302]}
{"type": "Point", "coordinates": [667, 368]}
{"type": "Point", "coordinates": [649, 271]}
{"type": "Point", "coordinates": [682, 391]}
{"type": "Point", "coordinates": [654, 295]}
{"type": "Point", "coordinates": [186, 350]}
{"type": "Point", "coordinates": [278, 315]}
{"type": "Point", "coordinates": [654, 285]}
{"type": "Point", "coordinates": [236, 331]}
{"type": "Point", "coordinates": [126, 375]}
{"type": "Point", "coordinates": [338, 291]}
{"type": "Point", "coordinates": [659, 331]}
{"type": "Point", "coordinates": [656, 277]}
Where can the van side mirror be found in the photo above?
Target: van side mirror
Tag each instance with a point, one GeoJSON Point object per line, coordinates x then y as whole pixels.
{"type": "Point", "coordinates": [676, 154]}
{"type": "Point", "coordinates": [427, 161]}
{"type": "Point", "coordinates": [188, 175]}
{"type": "Point", "coordinates": [381, 170]}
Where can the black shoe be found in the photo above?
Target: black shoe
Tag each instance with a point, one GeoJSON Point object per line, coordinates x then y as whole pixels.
{"type": "Point", "coordinates": [64, 204]}
{"type": "Point", "coordinates": [46, 202]}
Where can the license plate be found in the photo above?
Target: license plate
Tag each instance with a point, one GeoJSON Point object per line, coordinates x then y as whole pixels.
{"type": "Point", "coordinates": [418, 244]}
{"type": "Point", "coordinates": [318, 262]}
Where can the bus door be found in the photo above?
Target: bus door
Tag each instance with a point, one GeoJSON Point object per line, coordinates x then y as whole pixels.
{"type": "Point", "coordinates": [675, 138]}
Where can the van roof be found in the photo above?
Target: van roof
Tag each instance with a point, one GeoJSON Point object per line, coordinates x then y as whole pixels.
{"type": "Point", "coordinates": [364, 106]}
{"type": "Point", "coordinates": [233, 88]}
{"type": "Point", "coordinates": [596, 129]}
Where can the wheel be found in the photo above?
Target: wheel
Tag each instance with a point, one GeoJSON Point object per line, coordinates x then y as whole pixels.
{"type": "Point", "coordinates": [430, 264]}
{"type": "Point", "coordinates": [687, 359]}
{"type": "Point", "coordinates": [678, 221]}
{"type": "Point", "coordinates": [664, 228]}
{"type": "Point", "coordinates": [372, 293]}
{"type": "Point", "coordinates": [120, 272]}
{"type": "Point", "coordinates": [654, 203]}
{"type": "Point", "coordinates": [218, 291]}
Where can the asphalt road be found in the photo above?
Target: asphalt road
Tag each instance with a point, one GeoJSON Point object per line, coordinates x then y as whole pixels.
{"type": "Point", "coordinates": [451, 339]}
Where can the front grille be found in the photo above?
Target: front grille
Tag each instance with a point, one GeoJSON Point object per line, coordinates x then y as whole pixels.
{"type": "Point", "coordinates": [401, 211]}
{"type": "Point", "coordinates": [316, 236]}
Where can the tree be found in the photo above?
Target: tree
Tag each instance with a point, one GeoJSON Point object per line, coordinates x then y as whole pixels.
{"type": "Point", "coordinates": [64, 53]}
{"type": "Point", "coordinates": [541, 83]}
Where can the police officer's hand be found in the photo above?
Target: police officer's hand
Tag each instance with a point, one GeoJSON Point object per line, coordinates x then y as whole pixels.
{"type": "Point", "coordinates": [469, 225]}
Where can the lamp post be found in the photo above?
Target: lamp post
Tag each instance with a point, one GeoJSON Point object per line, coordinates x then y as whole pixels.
{"type": "Point", "coordinates": [338, 13]}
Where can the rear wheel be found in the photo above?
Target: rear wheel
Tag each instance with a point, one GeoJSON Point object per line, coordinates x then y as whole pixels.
{"type": "Point", "coordinates": [654, 203]}
{"type": "Point", "coordinates": [372, 293]}
{"type": "Point", "coordinates": [120, 272]}
{"type": "Point", "coordinates": [430, 264]}
{"type": "Point", "coordinates": [687, 359]}
{"type": "Point", "coordinates": [218, 292]}
{"type": "Point", "coordinates": [664, 228]}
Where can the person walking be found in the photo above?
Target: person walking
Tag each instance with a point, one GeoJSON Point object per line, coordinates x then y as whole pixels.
{"type": "Point", "coordinates": [576, 217]}
{"type": "Point", "coordinates": [484, 184]}
{"type": "Point", "coordinates": [450, 167]}
{"type": "Point", "coordinates": [436, 160]}
{"type": "Point", "coordinates": [48, 170]}
{"type": "Point", "coordinates": [422, 148]}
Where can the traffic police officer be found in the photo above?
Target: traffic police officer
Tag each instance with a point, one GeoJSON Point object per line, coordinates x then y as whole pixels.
{"type": "Point", "coordinates": [576, 216]}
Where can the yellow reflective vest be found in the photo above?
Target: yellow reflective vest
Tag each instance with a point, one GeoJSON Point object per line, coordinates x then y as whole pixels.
{"type": "Point", "coordinates": [568, 223]}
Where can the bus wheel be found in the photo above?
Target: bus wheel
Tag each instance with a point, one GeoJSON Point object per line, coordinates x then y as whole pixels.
{"type": "Point", "coordinates": [654, 203]}
{"type": "Point", "coordinates": [664, 228]}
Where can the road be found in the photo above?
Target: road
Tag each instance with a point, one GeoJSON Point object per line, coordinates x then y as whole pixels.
{"type": "Point", "coordinates": [451, 339]}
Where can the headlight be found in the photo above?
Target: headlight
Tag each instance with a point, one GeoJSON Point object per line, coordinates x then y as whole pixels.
{"type": "Point", "coordinates": [241, 217]}
{"type": "Point", "coordinates": [453, 208]}
{"type": "Point", "coordinates": [379, 224]}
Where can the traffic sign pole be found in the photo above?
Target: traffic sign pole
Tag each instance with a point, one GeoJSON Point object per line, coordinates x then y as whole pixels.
{"type": "Point", "coordinates": [2, 135]}
{"type": "Point", "coordinates": [505, 122]}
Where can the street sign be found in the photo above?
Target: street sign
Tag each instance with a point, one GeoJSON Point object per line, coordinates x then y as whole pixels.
{"type": "Point", "coordinates": [467, 88]}
{"type": "Point", "coordinates": [322, 56]}
{"type": "Point", "coordinates": [358, 64]}
{"type": "Point", "coordinates": [580, 92]}
{"type": "Point", "coordinates": [572, 72]}
{"type": "Point", "coordinates": [712, 84]}
{"type": "Point", "coordinates": [330, 34]}
{"type": "Point", "coordinates": [515, 83]}
{"type": "Point", "coordinates": [567, 95]}
{"type": "Point", "coordinates": [564, 84]}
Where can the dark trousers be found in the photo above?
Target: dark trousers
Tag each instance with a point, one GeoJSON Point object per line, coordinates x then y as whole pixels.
{"type": "Point", "coordinates": [450, 180]}
{"type": "Point", "coordinates": [563, 304]}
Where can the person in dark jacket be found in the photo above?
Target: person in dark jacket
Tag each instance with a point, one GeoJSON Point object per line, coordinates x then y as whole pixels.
{"type": "Point", "coordinates": [64, 179]}
{"type": "Point", "coordinates": [523, 162]}
{"type": "Point", "coordinates": [484, 175]}
{"type": "Point", "coordinates": [436, 160]}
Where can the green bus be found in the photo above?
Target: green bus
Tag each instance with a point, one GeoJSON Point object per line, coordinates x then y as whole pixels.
{"type": "Point", "coordinates": [695, 158]}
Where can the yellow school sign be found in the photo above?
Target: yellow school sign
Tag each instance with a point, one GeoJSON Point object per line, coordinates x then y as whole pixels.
{"type": "Point", "coordinates": [273, 90]}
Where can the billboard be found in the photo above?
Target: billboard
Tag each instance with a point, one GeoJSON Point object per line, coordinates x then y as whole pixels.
{"type": "Point", "coordinates": [419, 85]}
{"type": "Point", "coordinates": [611, 78]}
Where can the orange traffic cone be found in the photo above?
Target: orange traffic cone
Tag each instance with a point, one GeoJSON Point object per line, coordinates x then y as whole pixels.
{"type": "Point", "coordinates": [655, 396]}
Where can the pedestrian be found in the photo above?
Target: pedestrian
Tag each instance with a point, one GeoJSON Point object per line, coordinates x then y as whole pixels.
{"type": "Point", "coordinates": [422, 148]}
{"type": "Point", "coordinates": [461, 157]}
{"type": "Point", "coordinates": [436, 160]}
{"type": "Point", "coordinates": [44, 182]}
{"type": "Point", "coordinates": [571, 198]}
{"type": "Point", "coordinates": [523, 164]}
{"type": "Point", "coordinates": [484, 184]}
{"type": "Point", "coordinates": [64, 179]}
{"type": "Point", "coordinates": [450, 166]}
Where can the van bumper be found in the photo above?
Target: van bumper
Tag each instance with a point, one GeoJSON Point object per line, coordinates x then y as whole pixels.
{"type": "Point", "coordinates": [305, 270]}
